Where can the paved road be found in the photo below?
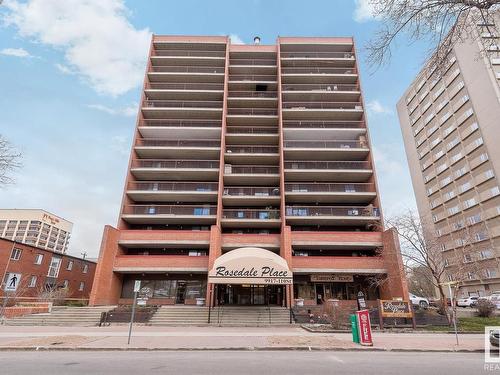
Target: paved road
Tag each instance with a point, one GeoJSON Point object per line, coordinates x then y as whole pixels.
{"type": "Point", "coordinates": [240, 362]}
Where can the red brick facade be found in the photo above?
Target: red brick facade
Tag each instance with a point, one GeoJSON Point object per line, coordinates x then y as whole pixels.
{"type": "Point", "coordinates": [26, 266]}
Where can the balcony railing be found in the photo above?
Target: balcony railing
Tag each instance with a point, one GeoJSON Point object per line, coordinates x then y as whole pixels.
{"type": "Point", "coordinates": [253, 77]}
{"type": "Point", "coordinates": [237, 149]}
{"type": "Point", "coordinates": [330, 188]}
{"type": "Point", "coordinates": [327, 165]}
{"type": "Point", "coordinates": [265, 214]}
{"type": "Point", "coordinates": [252, 111]}
{"type": "Point", "coordinates": [187, 69]}
{"type": "Point", "coordinates": [312, 87]}
{"type": "Point", "coordinates": [183, 52]}
{"type": "Point", "coordinates": [184, 86]}
{"type": "Point", "coordinates": [177, 143]}
{"type": "Point", "coordinates": [317, 70]}
{"type": "Point", "coordinates": [251, 130]}
{"type": "Point", "coordinates": [336, 55]}
{"type": "Point", "coordinates": [323, 105]}
{"type": "Point", "coordinates": [267, 62]}
{"type": "Point", "coordinates": [174, 186]}
{"type": "Point", "coordinates": [252, 191]}
{"type": "Point", "coordinates": [324, 124]}
{"type": "Point", "coordinates": [181, 123]}
{"type": "Point", "coordinates": [331, 211]}
{"type": "Point", "coordinates": [250, 169]}
{"type": "Point", "coordinates": [195, 210]}
{"type": "Point", "coordinates": [182, 103]}
{"type": "Point", "coordinates": [325, 144]}
{"type": "Point", "coordinates": [154, 163]}
{"type": "Point", "coordinates": [253, 94]}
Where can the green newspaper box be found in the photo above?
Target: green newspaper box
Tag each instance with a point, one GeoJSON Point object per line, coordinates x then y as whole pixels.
{"type": "Point", "coordinates": [354, 329]}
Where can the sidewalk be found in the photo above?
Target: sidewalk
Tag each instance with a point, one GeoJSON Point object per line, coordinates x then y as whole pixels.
{"type": "Point", "coordinates": [218, 338]}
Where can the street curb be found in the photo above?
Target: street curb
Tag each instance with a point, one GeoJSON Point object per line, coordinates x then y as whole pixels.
{"type": "Point", "coordinates": [238, 348]}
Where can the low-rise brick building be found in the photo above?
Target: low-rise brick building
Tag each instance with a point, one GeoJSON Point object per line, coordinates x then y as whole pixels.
{"type": "Point", "coordinates": [41, 269]}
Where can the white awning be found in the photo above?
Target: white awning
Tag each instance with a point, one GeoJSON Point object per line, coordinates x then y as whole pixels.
{"type": "Point", "coordinates": [250, 265]}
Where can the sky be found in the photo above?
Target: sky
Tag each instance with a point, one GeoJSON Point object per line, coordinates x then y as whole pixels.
{"type": "Point", "coordinates": [71, 73]}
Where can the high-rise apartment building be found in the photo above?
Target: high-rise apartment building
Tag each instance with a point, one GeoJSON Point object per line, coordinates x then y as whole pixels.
{"type": "Point", "coordinates": [251, 180]}
{"type": "Point", "coordinates": [35, 227]}
{"type": "Point", "coordinates": [449, 120]}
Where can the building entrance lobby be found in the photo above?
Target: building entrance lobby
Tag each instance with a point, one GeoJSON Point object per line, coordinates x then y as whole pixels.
{"type": "Point", "coordinates": [247, 294]}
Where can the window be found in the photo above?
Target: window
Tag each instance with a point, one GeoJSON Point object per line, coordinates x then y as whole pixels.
{"type": "Point", "coordinates": [485, 254]}
{"type": "Point", "coordinates": [69, 267]}
{"type": "Point", "coordinates": [32, 282]}
{"type": "Point", "coordinates": [453, 210]}
{"type": "Point", "coordinates": [55, 264]}
{"type": "Point", "coordinates": [85, 268]}
{"type": "Point", "coordinates": [197, 253]}
{"type": "Point", "coordinates": [467, 258]}
{"type": "Point", "coordinates": [38, 258]}
{"type": "Point", "coordinates": [490, 273]}
{"type": "Point", "coordinates": [82, 286]}
{"type": "Point", "coordinates": [16, 254]}
{"type": "Point", "coordinates": [65, 284]}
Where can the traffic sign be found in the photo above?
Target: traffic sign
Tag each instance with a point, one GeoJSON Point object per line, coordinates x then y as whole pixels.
{"type": "Point", "coordinates": [137, 286]}
{"type": "Point", "coordinates": [13, 281]}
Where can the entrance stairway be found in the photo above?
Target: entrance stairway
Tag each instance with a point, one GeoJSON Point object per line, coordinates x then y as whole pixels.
{"type": "Point", "coordinates": [252, 316]}
{"type": "Point", "coordinates": [62, 316]}
{"type": "Point", "coordinates": [179, 316]}
{"type": "Point", "coordinates": [223, 316]}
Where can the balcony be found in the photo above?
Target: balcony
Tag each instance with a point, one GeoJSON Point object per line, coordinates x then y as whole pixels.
{"type": "Point", "coordinates": [186, 74]}
{"type": "Point", "coordinates": [331, 215]}
{"type": "Point", "coordinates": [255, 99]}
{"type": "Point", "coordinates": [330, 193]}
{"type": "Point", "coordinates": [319, 92]}
{"type": "Point", "coordinates": [182, 109]}
{"type": "Point", "coordinates": [172, 191]}
{"type": "Point", "coordinates": [253, 82]}
{"type": "Point", "coordinates": [244, 154]}
{"type": "Point", "coordinates": [252, 116]}
{"type": "Point", "coordinates": [251, 175]}
{"type": "Point", "coordinates": [158, 51]}
{"type": "Point", "coordinates": [246, 218]}
{"type": "Point", "coordinates": [184, 91]}
{"type": "Point", "coordinates": [187, 57]}
{"type": "Point", "coordinates": [337, 171]}
{"type": "Point", "coordinates": [320, 110]}
{"type": "Point", "coordinates": [338, 264]}
{"type": "Point", "coordinates": [318, 75]}
{"type": "Point", "coordinates": [334, 58]}
{"type": "Point", "coordinates": [180, 129]}
{"type": "Point", "coordinates": [186, 149]}
{"type": "Point", "coordinates": [179, 239]}
{"type": "Point", "coordinates": [251, 196]}
{"type": "Point", "coordinates": [159, 169]}
{"type": "Point", "coordinates": [169, 214]}
{"type": "Point", "coordinates": [253, 62]}
{"type": "Point", "coordinates": [260, 135]}
{"type": "Point", "coordinates": [326, 150]}
{"type": "Point", "coordinates": [160, 263]}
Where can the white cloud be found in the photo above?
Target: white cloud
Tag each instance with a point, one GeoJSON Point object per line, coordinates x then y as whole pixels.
{"type": "Point", "coordinates": [364, 11]}
{"type": "Point", "coordinates": [235, 39]}
{"type": "Point", "coordinates": [129, 111]}
{"type": "Point", "coordinates": [375, 107]}
{"type": "Point", "coordinates": [120, 144]}
{"type": "Point", "coordinates": [98, 41]}
{"type": "Point", "coordinates": [64, 69]}
{"type": "Point", "coordinates": [16, 52]}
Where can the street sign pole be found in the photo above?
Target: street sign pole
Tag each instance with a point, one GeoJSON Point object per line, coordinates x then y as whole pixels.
{"type": "Point", "coordinates": [137, 287]}
{"type": "Point", "coordinates": [453, 313]}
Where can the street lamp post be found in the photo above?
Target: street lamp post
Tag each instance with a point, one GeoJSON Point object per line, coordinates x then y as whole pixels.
{"type": "Point", "coordinates": [453, 317]}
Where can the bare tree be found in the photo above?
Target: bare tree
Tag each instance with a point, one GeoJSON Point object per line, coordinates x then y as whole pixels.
{"type": "Point", "coordinates": [9, 161]}
{"type": "Point", "coordinates": [442, 23]}
{"type": "Point", "coordinates": [423, 249]}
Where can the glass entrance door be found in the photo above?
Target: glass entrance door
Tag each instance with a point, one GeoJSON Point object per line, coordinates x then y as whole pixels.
{"type": "Point", "coordinates": [181, 292]}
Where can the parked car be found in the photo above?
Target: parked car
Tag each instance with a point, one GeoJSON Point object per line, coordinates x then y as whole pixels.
{"type": "Point", "coordinates": [494, 299]}
{"type": "Point", "coordinates": [419, 301]}
{"type": "Point", "coordinates": [494, 337]}
{"type": "Point", "coordinates": [470, 301]}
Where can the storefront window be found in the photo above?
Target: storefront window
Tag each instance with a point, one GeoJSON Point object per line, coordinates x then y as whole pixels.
{"type": "Point", "coordinates": [195, 289]}
{"type": "Point", "coordinates": [165, 288]}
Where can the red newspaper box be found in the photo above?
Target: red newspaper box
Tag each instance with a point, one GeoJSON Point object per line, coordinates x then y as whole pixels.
{"type": "Point", "coordinates": [364, 326]}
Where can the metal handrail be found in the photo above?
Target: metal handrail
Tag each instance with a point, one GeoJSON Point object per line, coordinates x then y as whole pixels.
{"type": "Point", "coordinates": [168, 163]}
{"type": "Point", "coordinates": [251, 130]}
{"type": "Point", "coordinates": [263, 214]}
{"type": "Point", "coordinates": [173, 186]}
{"type": "Point", "coordinates": [182, 103]}
{"type": "Point", "coordinates": [252, 149]}
{"type": "Point", "coordinates": [184, 86]}
{"type": "Point", "coordinates": [317, 70]}
{"type": "Point", "coordinates": [327, 165]}
{"type": "Point", "coordinates": [155, 142]}
{"type": "Point", "coordinates": [258, 62]}
{"type": "Point", "coordinates": [250, 169]}
{"type": "Point", "coordinates": [181, 123]}
{"type": "Point", "coordinates": [252, 111]}
{"type": "Point", "coordinates": [191, 53]}
{"type": "Point", "coordinates": [325, 144]}
{"type": "Point", "coordinates": [324, 124]}
{"type": "Point", "coordinates": [340, 55]}
{"type": "Point", "coordinates": [155, 209]}
{"type": "Point", "coordinates": [255, 191]}
{"type": "Point", "coordinates": [323, 105]}
{"type": "Point", "coordinates": [253, 94]}
{"type": "Point", "coordinates": [297, 211]}
{"type": "Point", "coordinates": [311, 87]}
{"type": "Point", "coordinates": [326, 187]}
{"type": "Point", "coordinates": [187, 69]}
{"type": "Point", "coordinates": [253, 77]}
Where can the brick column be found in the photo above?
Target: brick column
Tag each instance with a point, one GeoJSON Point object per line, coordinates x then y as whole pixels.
{"type": "Point", "coordinates": [396, 285]}
{"type": "Point", "coordinates": [286, 253]}
{"type": "Point", "coordinates": [214, 252]}
{"type": "Point", "coordinates": [107, 285]}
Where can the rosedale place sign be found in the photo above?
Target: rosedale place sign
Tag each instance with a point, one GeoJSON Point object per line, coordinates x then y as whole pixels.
{"type": "Point", "coordinates": [250, 265]}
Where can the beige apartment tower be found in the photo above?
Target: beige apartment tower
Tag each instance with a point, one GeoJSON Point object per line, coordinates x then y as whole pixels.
{"type": "Point", "coordinates": [451, 130]}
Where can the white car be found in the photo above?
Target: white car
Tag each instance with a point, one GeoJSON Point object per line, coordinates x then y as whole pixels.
{"type": "Point", "coordinates": [467, 302]}
{"type": "Point", "coordinates": [419, 301]}
{"type": "Point", "coordinates": [494, 299]}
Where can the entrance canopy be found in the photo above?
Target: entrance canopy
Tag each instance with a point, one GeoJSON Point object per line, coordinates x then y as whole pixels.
{"type": "Point", "coordinates": [250, 265]}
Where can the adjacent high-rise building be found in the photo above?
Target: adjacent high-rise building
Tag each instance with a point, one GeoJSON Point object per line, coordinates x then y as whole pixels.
{"type": "Point", "coordinates": [35, 227]}
{"type": "Point", "coordinates": [449, 120]}
{"type": "Point", "coordinates": [251, 180]}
